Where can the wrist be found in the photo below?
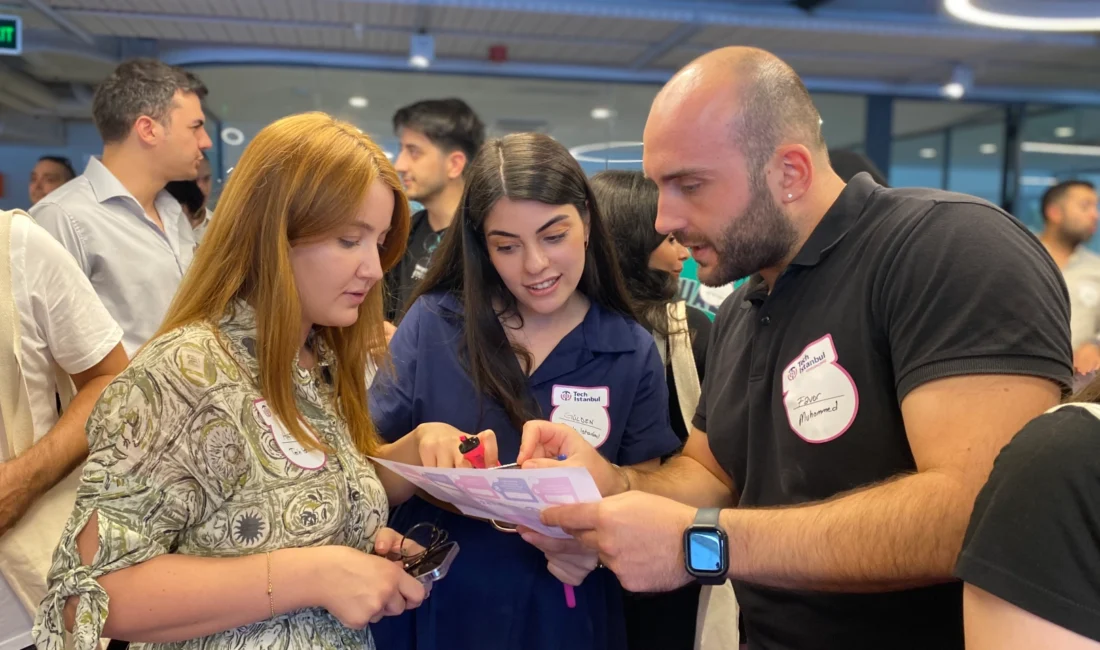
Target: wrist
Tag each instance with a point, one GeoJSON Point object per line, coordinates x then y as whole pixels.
{"type": "Point", "coordinates": [298, 577]}
{"type": "Point", "coordinates": [622, 482]}
{"type": "Point", "coordinates": [706, 547]}
{"type": "Point", "coordinates": [19, 477]}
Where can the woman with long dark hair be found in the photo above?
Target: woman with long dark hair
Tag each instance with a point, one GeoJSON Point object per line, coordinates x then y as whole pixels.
{"type": "Point", "coordinates": [651, 265]}
{"type": "Point", "coordinates": [523, 315]}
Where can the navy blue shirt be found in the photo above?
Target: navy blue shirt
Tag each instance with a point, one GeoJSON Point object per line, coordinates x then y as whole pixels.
{"type": "Point", "coordinates": [606, 379]}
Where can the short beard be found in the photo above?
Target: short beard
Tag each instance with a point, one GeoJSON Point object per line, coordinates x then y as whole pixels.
{"type": "Point", "coordinates": [1075, 239]}
{"type": "Point", "coordinates": [760, 237]}
{"type": "Point", "coordinates": [428, 193]}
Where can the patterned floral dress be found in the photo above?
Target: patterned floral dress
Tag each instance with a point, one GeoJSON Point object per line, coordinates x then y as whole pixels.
{"type": "Point", "coordinates": [186, 458]}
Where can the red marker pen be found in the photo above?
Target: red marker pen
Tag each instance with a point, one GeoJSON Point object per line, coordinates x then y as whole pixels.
{"type": "Point", "coordinates": [471, 450]}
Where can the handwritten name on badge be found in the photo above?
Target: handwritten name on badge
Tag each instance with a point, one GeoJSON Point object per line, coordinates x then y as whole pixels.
{"type": "Point", "coordinates": [819, 395]}
{"type": "Point", "coordinates": [584, 409]}
{"type": "Point", "coordinates": [291, 448]}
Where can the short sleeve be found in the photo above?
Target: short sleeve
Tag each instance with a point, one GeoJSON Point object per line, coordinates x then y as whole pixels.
{"type": "Point", "coordinates": [76, 326]}
{"type": "Point", "coordinates": [137, 478]}
{"type": "Point", "coordinates": [1034, 536]}
{"type": "Point", "coordinates": [56, 221]}
{"type": "Point", "coordinates": [392, 393]}
{"type": "Point", "coordinates": [699, 326]}
{"type": "Point", "coordinates": [970, 291]}
{"type": "Point", "coordinates": [721, 320]}
{"type": "Point", "coordinates": [648, 433]}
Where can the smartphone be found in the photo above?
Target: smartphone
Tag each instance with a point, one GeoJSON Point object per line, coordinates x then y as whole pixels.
{"type": "Point", "coordinates": [434, 566]}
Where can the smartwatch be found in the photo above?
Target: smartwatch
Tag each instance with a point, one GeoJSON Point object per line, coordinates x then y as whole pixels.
{"type": "Point", "coordinates": [706, 548]}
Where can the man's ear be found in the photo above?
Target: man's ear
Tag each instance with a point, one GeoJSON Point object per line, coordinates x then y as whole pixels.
{"type": "Point", "coordinates": [456, 164]}
{"type": "Point", "coordinates": [148, 130]}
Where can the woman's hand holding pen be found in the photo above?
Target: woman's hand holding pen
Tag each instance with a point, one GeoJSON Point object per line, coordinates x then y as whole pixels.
{"type": "Point", "coordinates": [566, 559]}
{"type": "Point", "coordinates": [439, 446]}
{"type": "Point", "coordinates": [549, 444]}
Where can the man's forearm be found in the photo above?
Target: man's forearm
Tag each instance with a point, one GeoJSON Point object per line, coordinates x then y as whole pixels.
{"type": "Point", "coordinates": [900, 534]}
{"type": "Point", "coordinates": [682, 479]}
{"type": "Point", "coordinates": [60, 451]}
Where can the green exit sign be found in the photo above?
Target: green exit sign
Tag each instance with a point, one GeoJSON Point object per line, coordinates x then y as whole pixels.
{"type": "Point", "coordinates": [11, 35]}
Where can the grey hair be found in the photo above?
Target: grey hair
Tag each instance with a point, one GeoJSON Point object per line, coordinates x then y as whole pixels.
{"type": "Point", "coordinates": [139, 87]}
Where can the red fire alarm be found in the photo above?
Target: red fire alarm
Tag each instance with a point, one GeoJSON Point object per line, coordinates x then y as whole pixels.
{"type": "Point", "coordinates": [498, 53]}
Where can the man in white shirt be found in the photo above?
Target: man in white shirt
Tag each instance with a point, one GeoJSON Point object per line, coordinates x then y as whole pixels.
{"type": "Point", "coordinates": [53, 328]}
{"type": "Point", "coordinates": [1070, 218]}
{"type": "Point", "coordinates": [128, 235]}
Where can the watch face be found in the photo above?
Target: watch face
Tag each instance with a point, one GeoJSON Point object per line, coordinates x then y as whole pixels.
{"type": "Point", "coordinates": [705, 551]}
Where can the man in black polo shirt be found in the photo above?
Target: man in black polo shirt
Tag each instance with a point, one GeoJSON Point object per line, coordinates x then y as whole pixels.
{"type": "Point", "coordinates": [439, 137]}
{"type": "Point", "coordinates": [858, 388]}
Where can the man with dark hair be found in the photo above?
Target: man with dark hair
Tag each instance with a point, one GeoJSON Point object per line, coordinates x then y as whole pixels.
{"type": "Point", "coordinates": [1069, 220]}
{"type": "Point", "coordinates": [439, 137]}
{"type": "Point", "coordinates": [858, 387]}
{"type": "Point", "coordinates": [127, 233]}
{"type": "Point", "coordinates": [49, 173]}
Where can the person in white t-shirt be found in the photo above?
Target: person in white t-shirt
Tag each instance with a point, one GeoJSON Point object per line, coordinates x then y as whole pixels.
{"type": "Point", "coordinates": [53, 329]}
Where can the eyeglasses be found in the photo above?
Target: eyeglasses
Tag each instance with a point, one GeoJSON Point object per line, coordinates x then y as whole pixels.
{"type": "Point", "coordinates": [426, 536]}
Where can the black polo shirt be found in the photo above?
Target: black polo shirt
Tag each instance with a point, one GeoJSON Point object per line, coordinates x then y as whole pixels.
{"type": "Point", "coordinates": [894, 288]}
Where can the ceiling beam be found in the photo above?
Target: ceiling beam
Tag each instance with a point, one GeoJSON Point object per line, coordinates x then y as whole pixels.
{"type": "Point", "coordinates": [51, 14]}
{"type": "Point", "coordinates": [783, 17]}
{"type": "Point", "coordinates": [186, 54]}
{"type": "Point", "coordinates": [357, 28]}
{"type": "Point", "coordinates": [26, 88]}
{"type": "Point", "coordinates": [676, 38]}
{"type": "Point", "coordinates": [30, 129]}
{"type": "Point", "coordinates": [809, 5]}
{"type": "Point", "coordinates": [51, 41]}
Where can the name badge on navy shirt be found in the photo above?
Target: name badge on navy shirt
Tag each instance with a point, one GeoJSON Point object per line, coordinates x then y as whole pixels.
{"type": "Point", "coordinates": [291, 448]}
{"type": "Point", "coordinates": [584, 409]}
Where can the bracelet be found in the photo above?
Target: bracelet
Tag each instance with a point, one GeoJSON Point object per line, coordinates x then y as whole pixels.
{"type": "Point", "coordinates": [270, 597]}
{"type": "Point", "coordinates": [623, 475]}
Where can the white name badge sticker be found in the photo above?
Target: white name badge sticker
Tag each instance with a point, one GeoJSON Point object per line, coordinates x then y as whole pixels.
{"type": "Point", "coordinates": [819, 395]}
{"type": "Point", "coordinates": [291, 448]}
{"type": "Point", "coordinates": [583, 409]}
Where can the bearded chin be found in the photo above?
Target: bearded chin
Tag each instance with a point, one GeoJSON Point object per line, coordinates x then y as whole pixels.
{"type": "Point", "coordinates": [759, 238]}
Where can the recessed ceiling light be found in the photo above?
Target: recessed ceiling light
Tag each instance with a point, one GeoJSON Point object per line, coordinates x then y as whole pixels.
{"type": "Point", "coordinates": [1042, 181]}
{"type": "Point", "coordinates": [965, 10]}
{"type": "Point", "coordinates": [1064, 132]}
{"type": "Point", "coordinates": [232, 136]}
{"type": "Point", "coordinates": [584, 152]}
{"type": "Point", "coordinates": [988, 148]}
{"type": "Point", "coordinates": [953, 90]}
{"type": "Point", "coordinates": [927, 152]}
{"type": "Point", "coordinates": [602, 113]}
{"type": "Point", "coordinates": [358, 102]}
{"type": "Point", "coordinates": [421, 50]}
{"type": "Point", "coordinates": [1058, 148]}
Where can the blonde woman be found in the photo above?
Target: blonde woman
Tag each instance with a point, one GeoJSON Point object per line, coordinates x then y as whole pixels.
{"type": "Point", "coordinates": [227, 501]}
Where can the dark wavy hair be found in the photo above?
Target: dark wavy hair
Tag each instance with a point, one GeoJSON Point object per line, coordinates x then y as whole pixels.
{"type": "Point", "coordinates": [628, 201]}
{"type": "Point", "coordinates": [520, 167]}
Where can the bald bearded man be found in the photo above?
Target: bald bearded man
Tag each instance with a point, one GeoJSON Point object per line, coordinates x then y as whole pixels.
{"type": "Point", "coordinates": [858, 388]}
